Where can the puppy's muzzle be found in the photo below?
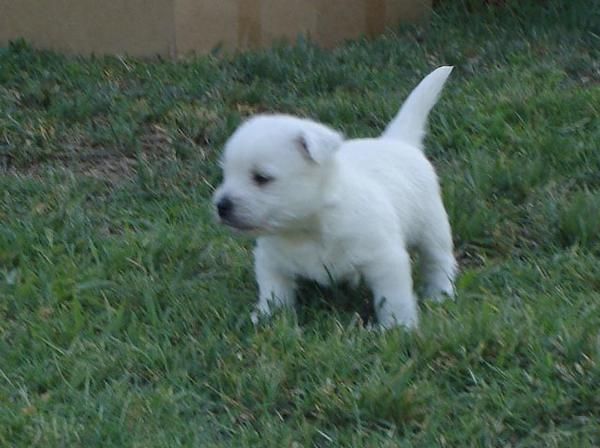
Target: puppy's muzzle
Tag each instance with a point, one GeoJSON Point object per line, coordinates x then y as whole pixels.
{"type": "Point", "coordinates": [225, 208]}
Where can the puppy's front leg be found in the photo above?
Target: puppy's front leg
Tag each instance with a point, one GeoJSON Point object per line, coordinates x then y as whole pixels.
{"type": "Point", "coordinates": [275, 289]}
{"type": "Point", "coordinates": [389, 277]}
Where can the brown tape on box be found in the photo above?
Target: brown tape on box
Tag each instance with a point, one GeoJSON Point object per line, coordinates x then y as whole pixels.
{"type": "Point", "coordinates": [375, 12]}
{"type": "Point", "coordinates": [250, 30]}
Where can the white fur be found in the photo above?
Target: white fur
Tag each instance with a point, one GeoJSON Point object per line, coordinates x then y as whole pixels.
{"type": "Point", "coordinates": [342, 210]}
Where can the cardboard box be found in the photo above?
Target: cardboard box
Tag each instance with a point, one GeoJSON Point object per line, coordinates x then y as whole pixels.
{"type": "Point", "coordinates": [173, 28]}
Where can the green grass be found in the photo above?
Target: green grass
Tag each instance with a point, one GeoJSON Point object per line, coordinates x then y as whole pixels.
{"type": "Point", "coordinates": [124, 307]}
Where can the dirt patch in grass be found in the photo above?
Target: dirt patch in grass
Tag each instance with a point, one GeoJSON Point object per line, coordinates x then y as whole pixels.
{"type": "Point", "coordinates": [108, 164]}
{"type": "Point", "coordinates": [117, 166]}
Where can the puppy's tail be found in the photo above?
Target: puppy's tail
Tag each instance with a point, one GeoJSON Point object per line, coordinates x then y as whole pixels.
{"type": "Point", "coordinates": [409, 125]}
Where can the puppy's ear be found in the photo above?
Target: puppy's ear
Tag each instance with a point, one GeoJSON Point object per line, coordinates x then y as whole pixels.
{"type": "Point", "coordinates": [318, 144]}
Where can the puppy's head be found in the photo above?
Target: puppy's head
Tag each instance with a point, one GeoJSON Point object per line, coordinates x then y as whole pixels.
{"type": "Point", "coordinates": [274, 168]}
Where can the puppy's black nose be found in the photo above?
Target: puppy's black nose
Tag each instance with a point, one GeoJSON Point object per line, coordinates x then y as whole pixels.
{"type": "Point", "coordinates": [224, 207]}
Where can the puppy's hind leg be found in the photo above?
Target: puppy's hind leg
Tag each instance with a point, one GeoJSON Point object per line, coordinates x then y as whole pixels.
{"type": "Point", "coordinates": [438, 264]}
{"type": "Point", "coordinates": [275, 289]}
{"type": "Point", "coordinates": [389, 277]}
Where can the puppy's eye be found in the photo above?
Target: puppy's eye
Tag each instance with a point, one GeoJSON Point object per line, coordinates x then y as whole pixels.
{"type": "Point", "coordinates": [261, 179]}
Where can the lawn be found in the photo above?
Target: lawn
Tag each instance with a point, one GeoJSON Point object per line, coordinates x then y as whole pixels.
{"type": "Point", "coordinates": [124, 307]}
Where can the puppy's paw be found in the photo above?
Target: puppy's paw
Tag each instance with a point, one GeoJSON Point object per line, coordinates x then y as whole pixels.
{"type": "Point", "coordinates": [259, 315]}
{"type": "Point", "coordinates": [439, 295]}
{"type": "Point", "coordinates": [408, 322]}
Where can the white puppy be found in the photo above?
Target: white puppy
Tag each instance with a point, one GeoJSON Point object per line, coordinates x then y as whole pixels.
{"type": "Point", "coordinates": [325, 208]}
